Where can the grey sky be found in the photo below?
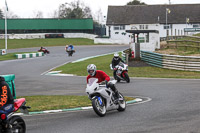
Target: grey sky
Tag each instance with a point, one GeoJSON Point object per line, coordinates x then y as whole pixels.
{"type": "Point", "coordinates": [26, 8]}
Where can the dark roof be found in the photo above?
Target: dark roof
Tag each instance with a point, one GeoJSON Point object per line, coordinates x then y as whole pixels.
{"type": "Point", "coordinates": [148, 14]}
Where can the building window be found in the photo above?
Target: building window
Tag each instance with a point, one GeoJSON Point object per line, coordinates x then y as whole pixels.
{"type": "Point", "coordinates": [141, 27]}
{"type": "Point", "coordinates": [167, 26]}
{"type": "Point", "coordinates": [196, 25]}
{"type": "Point", "coordinates": [116, 27]}
{"type": "Point", "coordinates": [120, 27]}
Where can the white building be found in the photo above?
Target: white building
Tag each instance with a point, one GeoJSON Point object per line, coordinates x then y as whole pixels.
{"type": "Point", "coordinates": [168, 20]}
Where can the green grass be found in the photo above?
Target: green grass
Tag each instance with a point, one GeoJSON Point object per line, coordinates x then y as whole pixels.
{"type": "Point", "coordinates": [103, 63]}
{"type": "Point", "coordinates": [11, 56]}
{"type": "Point", "coordinates": [197, 34]}
{"type": "Point", "coordinates": [28, 43]}
{"type": "Point", "coordinates": [41, 103]}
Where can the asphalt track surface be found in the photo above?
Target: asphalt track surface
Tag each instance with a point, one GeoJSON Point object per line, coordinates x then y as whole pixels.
{"type": "Point", "coordinates": [174, 107]}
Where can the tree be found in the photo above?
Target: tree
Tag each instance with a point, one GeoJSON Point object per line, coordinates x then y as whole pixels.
{"type": "Point", "coordinates": [1, 14]}
{"type": "Point", "coordinates": [38, 14]}
{"type": "Point", "coordinates": [98, 17]}
{"type": "Point", "coordinates": [136, 2]}
{"type": "Point", "coordinates": [11, 15]}
{"type": "Point", "coordinates": [53, 14]}
{"type": "Point", "coordinates": [74, 10]}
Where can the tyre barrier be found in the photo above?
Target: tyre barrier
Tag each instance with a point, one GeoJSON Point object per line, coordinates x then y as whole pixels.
{"type": "Point", "coordinates": [176, 62]}
{"type": "Point", "coordinates": [29, 55]}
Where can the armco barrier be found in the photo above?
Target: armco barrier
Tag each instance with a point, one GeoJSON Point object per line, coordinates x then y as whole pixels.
{"type": "Point", "coordinates": [29, 55]}
{"type": "Point", "coordinates": [187, 63]}
{"type": "Point", "coordinates": [10, 81]}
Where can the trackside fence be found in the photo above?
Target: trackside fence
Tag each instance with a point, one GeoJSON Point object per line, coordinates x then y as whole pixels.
{"type": "Point", "coordinates": [186, 63]}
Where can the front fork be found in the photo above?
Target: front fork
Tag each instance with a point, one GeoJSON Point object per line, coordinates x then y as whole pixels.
{"type": "Point", "coordinates": [99, 100]}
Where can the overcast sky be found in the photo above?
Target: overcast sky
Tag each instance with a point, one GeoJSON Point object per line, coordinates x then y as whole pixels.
{"type": "Point", "coordinates": [27, 8]}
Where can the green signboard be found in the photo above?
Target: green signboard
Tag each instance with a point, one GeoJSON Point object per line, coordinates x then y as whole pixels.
{"type": "Point", "coordinates": [191, 29]}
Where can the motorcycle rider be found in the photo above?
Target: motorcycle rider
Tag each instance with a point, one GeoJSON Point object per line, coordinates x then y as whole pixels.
{"type": "Point", "coordinates": [101, 76]}
{"type": "Point", "coordinates": [66, 47]}
{"type": "Point", "coordinates": [71, 47]}
{"type": "Point", "coordinates": [115, 61]}
{"type": "Point", "coordinates": [6, 100]}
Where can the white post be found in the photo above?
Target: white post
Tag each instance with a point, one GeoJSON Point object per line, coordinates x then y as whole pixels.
{"type": "Point", "coordinates": [6, 30]}
{"type": "Point", "coordinates": [186, 21]}
{"type": "Point", "coordinates": [6, 27]}
{"type": "Point", "coordinates": [166, 23]}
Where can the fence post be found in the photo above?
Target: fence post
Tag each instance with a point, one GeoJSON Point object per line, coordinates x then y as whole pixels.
{"type": "Point", "coordinates": [126, 58]}
{"type": "Point", "coordinates": [137, 50]}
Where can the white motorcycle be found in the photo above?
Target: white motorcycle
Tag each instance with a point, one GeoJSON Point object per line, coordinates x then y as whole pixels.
{"type": "Point", "coordinates": [121, 72]}
{"type": "Point", "coordinates": [102, 98]}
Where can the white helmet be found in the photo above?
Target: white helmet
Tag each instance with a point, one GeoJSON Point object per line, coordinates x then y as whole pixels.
{"type": "Point", "coordinates": [91, 69]}
{"type": "Point", "coordinates": [116, 56]}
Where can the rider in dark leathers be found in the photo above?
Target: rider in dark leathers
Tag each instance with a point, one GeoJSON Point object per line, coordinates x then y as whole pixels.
{"type": "Point", "coordinates": [115, 61]}
{"type": "Point", "coordinates": [6, 100]}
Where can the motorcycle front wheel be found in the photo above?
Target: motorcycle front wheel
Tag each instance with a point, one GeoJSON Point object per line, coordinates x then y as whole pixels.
{"type": "Point", "coordinates": [17, 125]}
{"type": "Point", "coordinates": [99, 106]}
{"type": "Point", "coordinates": [122, 103]}
{"type": "Point", "coordinates": [126, 77]}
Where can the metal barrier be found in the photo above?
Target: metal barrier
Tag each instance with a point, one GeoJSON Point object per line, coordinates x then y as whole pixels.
{"type": "Point", "coordinates": [125, 55]}
{"type": "Point", "coordinates": [187, 63]}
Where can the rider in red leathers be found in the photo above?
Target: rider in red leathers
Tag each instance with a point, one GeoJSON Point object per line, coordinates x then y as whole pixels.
{"type": "Point", "coordinates": [101, 76]}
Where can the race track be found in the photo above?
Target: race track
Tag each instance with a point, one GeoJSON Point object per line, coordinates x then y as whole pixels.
{"type": "Point", "coordinates": [174, 107]}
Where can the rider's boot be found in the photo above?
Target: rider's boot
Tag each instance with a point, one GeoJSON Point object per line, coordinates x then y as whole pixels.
{"type": "Point", "coordinates": [116, 95]}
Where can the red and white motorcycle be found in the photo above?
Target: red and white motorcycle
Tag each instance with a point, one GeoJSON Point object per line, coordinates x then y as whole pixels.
{"type": "Point", "coordinates": [121, 72]}
{"type": "Point", "coordinates": [15, 123]}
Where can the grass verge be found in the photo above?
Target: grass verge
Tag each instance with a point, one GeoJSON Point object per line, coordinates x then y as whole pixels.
{"type": "Point", "coordinates": [41, 103]}
{"type": "Point", "coordinates": [28, 43]}
{"type": "Point", "coordinates": [103, 63]}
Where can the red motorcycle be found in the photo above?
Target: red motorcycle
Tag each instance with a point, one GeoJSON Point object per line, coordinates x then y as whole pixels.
{"type": "Point", "coordinates": [44, 50]}
{"type": "Point", "coordinates": [15, 123]}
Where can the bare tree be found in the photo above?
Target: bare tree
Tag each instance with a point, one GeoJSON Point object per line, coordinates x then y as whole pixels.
{"type": "Point", "coordinates": [1, 14]}
{"type": "Point", "coordinates": [37, 14]}
{"type": "Point", "coordinates": [98, 17]}
{"type": "Point", "coordinates": [54, 14]}
{"type": "Point", "coordinates": [74, 9]}
{"type": "Point", "coordinates": [11, 15]}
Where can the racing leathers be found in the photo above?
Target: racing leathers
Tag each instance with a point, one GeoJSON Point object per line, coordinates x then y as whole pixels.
{"type": "Point", "coordinates": [102, 76]}
{"type": "Point", "coordinates": [115, 62]}
{"type": "Point", "coordinates": [6, 101]}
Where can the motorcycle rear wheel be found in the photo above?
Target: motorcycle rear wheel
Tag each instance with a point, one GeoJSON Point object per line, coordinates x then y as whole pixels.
{"type": "Point", "coordinates": [99, 109]}
{"type": "Point", "coordinates": [17, 125]}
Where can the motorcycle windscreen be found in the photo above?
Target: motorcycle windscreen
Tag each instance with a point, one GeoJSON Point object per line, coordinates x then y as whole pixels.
{"type": "Point", "coordinates": [92, 80]}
